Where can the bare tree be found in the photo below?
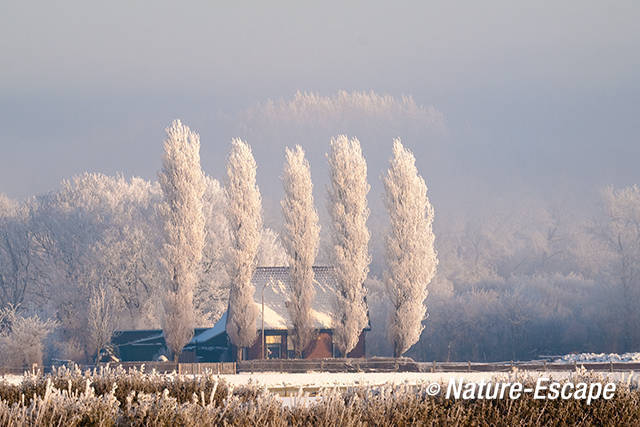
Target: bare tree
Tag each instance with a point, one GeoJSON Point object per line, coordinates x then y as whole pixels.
{"type": "Point", "coordinates": [23, 259]}
{"type": "Point", "coordinates": [183, 186]}
{"type": "Point", "coordinates": [212, 292]}
{"type": "Point", "coordinates": [301, 238]}
{"type": "Point", "coordinates": [244, 216]}
{"type": "Point", "coordinates": [22, 338]}
{"type": "Point", "coordinates": [348, 209]}
{"type": "Point", "coordinates": [620, 234]}
{"type": "Point", "coordinates": [102, 320]}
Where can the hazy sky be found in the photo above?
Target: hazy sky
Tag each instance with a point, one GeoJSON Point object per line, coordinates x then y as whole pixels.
{"type": "Point", "coordinates": [532, 96]}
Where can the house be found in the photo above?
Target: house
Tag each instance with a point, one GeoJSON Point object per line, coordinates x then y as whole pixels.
{"type": "Point", "coordinates": [271, 287]}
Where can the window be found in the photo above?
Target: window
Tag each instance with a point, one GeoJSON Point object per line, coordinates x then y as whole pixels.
{"type": "Point", "coordinates": [273, 339]}
{"type": "Point", "coordinates": [273, 343]}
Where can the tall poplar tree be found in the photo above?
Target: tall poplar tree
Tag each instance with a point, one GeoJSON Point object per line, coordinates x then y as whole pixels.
{"type": "Point", "coordinates": [348, 209]}
{"type": "Point", "coordinates": [183, 186]}
{"type": "Point", "coordinates": [411, 256]}
{"type": "Point", "coordinates": [300, 238]}
{"type": "Point", "coordinates": [244, 216]}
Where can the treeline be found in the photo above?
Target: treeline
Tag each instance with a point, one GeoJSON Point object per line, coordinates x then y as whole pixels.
{"type": "Point", "coordinates": [531, 280]}
{"type": "Point", "coordinates": [105, 253]}
{"type": "Point", "coordinates": [90, 257]}
{"type": "Point", "coordinates": [87, 257]}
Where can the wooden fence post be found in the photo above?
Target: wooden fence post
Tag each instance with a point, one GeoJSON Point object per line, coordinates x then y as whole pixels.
{"type": "Point", "coordinates": [469, 366]}
{"type": "Point", "coordinates": [433, 368]}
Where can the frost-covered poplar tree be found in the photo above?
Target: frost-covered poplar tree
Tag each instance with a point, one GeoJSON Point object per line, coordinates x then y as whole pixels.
{"type": "Point", "coordinates": [183, 186]}
{"type": "Point", "coordinates": [348, 209]}
{"type": "Point", "coordinates": [300, 237]}
{"type": "Point", "coordinates": [411, 256]}
{"type": "Point", "coordinates": [244, 216]}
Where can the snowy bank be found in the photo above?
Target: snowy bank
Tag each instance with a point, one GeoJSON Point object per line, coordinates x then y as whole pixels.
{"type": "Point", "coordinates": [599, 357]}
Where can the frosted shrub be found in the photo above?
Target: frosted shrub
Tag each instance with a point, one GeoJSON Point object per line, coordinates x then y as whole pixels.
{"type": "Point", "coordinates": [22, 339]}
{"type": "Point", "coordinates": [72, 397]}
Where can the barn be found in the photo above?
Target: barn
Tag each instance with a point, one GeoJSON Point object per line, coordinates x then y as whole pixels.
{"type": "Point", "coordinates": [271, 294]}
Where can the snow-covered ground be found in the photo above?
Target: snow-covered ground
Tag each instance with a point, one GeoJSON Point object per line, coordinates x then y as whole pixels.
{"type": "Point", "coordinates": [279, 380]}
{"type": "Point", "coordinates": [599, 357]}
{"type": "Point", "coordinates": [327, 379]}
{"type": "Point", "coordinates": [11, 379]}
{"type": "Point", "coordinates": [274, 380]}
{"type": "Point", "coordinates": [332, 379]}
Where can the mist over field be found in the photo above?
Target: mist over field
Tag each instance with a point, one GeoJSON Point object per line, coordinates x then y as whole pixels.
{"type": "Point", "coordinates": [523, 120]}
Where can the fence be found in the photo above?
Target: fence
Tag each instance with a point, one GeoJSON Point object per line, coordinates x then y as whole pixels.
{"type": "Point", "coordinates": [409, 365]}
{"type": "Point", "coordinates": [345, 365]}
{"type": "Point", "coordinates": [218, 368]}
{"type": "Point", "coordinates": [181, 368]}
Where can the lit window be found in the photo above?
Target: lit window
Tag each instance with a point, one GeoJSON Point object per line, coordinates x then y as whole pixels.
{"type": "Point", "coordinates": [273, 339]}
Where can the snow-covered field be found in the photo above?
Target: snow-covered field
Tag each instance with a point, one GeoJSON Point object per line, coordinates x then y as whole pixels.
{"type": "Point", "coordinates": [275, 380]}
{"type": "Point", "coordinates": [11, 379]}
{"type": "Point", "coordinates": [599, 357]}
{"type": "Point", "coordinates": [325, 379]}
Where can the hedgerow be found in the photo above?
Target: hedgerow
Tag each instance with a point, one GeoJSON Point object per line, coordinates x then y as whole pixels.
{"type": "Point", "coordinates": [118, 398]}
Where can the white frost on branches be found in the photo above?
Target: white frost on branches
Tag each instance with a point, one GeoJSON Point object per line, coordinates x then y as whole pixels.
{"type": "Point", "coordinates": [183, 186]}
{"type": "Point", "coordinates": [102, 319]}
{"type": "Point", "coordinates": [22, 338]}
{"type": "Point", "coordinates": [348, 209]}
{"type": "Point", "coordinates": [244, 217]}
{"type": "Point", "coordinates": [300, 237]}
{"type": "Point", "coordinates": [411, 256]}
{"type": "Point", "coordinates": [306, 109]}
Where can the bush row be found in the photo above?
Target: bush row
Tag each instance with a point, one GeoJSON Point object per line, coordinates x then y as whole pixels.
{"type": "Point", "coordinates": [119, 382]}
{"type": "Point", "coordinates": [79, 404]}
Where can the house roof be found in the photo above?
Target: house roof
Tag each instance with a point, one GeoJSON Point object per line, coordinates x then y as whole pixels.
{"type": "Point", "coordinates": [145, 336]}
{"type": "Point", "coordinates": [276, 284]}
{"type": "Point", "coordinates": [209, 333]}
